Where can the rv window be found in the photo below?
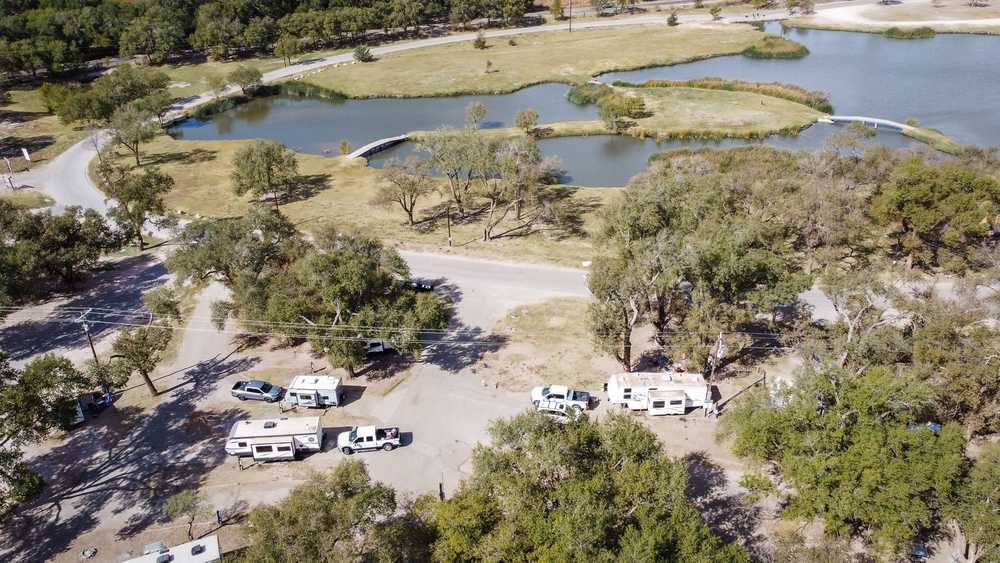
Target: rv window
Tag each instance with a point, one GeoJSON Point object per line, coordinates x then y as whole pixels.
{"type": "Point", "coordinates": [293, 395]}
{"type": "Point", "coordinates": [263, 449]}
{"type": "Point", "coordinates": [284, 448]}
{"type": "Point", "coordinates": [326, 397]}
{"type": "Point", "coordinates": [627, 396]}
{"type": "Point", "coordinates": [241, 444]}
{"type": "Point", "coordinates": [676, 402]}
{"type": "Point", "coordinates": [627, 390]}
{"type": "Point", "coordinates": [658, 404]}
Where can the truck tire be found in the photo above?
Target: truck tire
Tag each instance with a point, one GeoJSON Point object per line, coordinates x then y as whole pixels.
{"type": "Point", "coordinates": [388, 447]}
{"type": "Point", "coordinates": [241, 397]}
{"type": "Point", "coordinates": [346, 450]}
{"type": "Point", "coordinates": [535, 403]}
{"type": "Point", "coordinates": [578, 409]}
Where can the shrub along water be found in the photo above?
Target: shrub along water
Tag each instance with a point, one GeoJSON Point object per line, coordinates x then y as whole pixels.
{"type": "Point", "coordinates": [299, 89]}
{"type": "Point", "coordinates": [773, 47]}
{"type": "Point", "coordinates": [909, 33]}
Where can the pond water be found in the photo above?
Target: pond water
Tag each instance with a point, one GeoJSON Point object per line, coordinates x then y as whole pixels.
{"type": "Point", "coordinates": [948, 83]}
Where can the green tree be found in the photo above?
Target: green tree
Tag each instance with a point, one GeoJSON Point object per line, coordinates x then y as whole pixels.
{"type": "Point", "coordinates": [236, 248]}
{"type": "Point", "coordinates": [596, 491]}
{"type": "Point", "coordinates": [163, 303]}
{"type": "Point", "coordinates": [287, 47]}
{"type": "Point", "coordinates": [341, 515]}
{"type": "Point", "coordinates": [33, 403]}
{"type": "Point", "coordinates": [527, 120]}
{"type": "Point", "coordinates": [131, 126]}
{"type": "Point", "coordinates": [977, 510]}
{"type": "Point", "coordinates": [475, 113]}
{"type": "Point", "coordinates": [716, 12]}
{"type": "Point", "coordinates": [616, 108]}
{"type": "Point", "coordinates": [111, 92]}
{"type": "Point", "coordinates": [248, 78]}
{"type": "Point", "coordinates": [265, 167]}
{"type": "Point", "coordinates": [138, 201]}
{"type": "Point", "coordinates": [936, 212]}
{"type": "Point", "coordinates": [186, 505]}
{"type": "Point", "coordinates": [157, 34]}
{"type": "Point", "coordinates": [363, 54]}
{"type": "Point", "coordinates": [42, 248]}
{"type": "Point", "coordinates": [405, 184]}
{"type": "Point", "coordinates": [854, 449]}
{"type": "Point", "coordinates": [140, 350]}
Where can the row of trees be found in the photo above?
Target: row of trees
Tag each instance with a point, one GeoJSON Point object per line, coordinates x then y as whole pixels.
{"type": "Point", "coordinates": [503, 182]}
{"type": "Point", "coordinates": [541, 491]}
{"type": "Point", "coordinates": [870, 437]}
{"type": "Point", "coordinates": [42, 35]}
{"type": "Point", "coordinates": [338, 292]}
{"type": "Point", "coordinates": [701, 244]}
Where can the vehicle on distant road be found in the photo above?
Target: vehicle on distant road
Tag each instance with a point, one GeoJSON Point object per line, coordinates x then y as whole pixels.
{"type": "Point", "coordinates": [362, 438]}
{"type": "Point", "coordinates": [580, 400]}
{"type": "Point", "coordinates": [558, 411]}
{"type": "Point", "coordinates": [416, 285]}
{"type": "Point", "coordinates": [258, 390]}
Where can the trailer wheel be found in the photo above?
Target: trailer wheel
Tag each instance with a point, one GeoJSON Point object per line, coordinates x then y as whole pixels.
{"type": "Point", "coordinates": [388, 447]}
{"type": "Point", "coordinates": [347, 451]}
{"type": "Point", "coordinates": [535, 403]}
{"type": "Point", "coordinates": [241, 397]}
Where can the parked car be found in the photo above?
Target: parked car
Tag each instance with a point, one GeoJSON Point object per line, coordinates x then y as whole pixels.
{"type": "Point", "coordinates": [558, 411]}
{"type": "Point", "coordinates": [257, 390]}
{"type": "Point", "coordinates": [579, 400]}
{"type": "Point", "coordinates": [416, 285]}
{"type": "Point", "coordinates": [377, 346]}
{"type": "Point", "coordinates": [362, 438]}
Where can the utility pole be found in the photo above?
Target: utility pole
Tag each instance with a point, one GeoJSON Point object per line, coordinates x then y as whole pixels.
{"type": "Point", "coordinates": [571, 16]}
{"type": "Point", "coordinates": [86, 330]}
{"type": "Point", "coordinates": [449, 224]}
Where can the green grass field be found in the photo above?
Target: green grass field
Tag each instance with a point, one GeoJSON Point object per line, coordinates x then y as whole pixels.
{"type": "Point", "coordinates": [27, 199]}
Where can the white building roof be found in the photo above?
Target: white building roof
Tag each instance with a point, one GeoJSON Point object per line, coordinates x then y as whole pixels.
{"type": "Point", "coordinates": [269, 428]}
{"type": "Point", "coordinates": [183, 553]}
{"type": "Point", "coordinates": [659, 379]}
{"type": "Point", "coordinates": [314, 382]}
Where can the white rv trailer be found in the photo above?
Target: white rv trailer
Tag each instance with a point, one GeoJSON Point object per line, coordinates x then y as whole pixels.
{"type": "Point", "coordinates": [275, 439]}
{"type": "Point", "coordinates": [670, 392]}
{"type": "Point", "coordinates": [314, 391]}
{"type": "Point", "coordinates": [204, 550]}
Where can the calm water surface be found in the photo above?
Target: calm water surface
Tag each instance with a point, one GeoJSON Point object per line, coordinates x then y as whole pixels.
{"type": "Point", "coordinates": [950, 82]}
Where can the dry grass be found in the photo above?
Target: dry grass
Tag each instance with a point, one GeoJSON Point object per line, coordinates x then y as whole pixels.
{"type": "Point", "coordinates": [537, 57]}
{"type": "Point", "coordinates": [692, 113]}
{"type": "Point", "coordinates": [342, 191]}
{"type": "Point", "coordinates": [547, 343]}
{"type": "Point", "coordinates": [194, 79]}
{"type": "Point", "coordinates": [24, 122]}
{"type": "Point", "coordinates": [27, 199]}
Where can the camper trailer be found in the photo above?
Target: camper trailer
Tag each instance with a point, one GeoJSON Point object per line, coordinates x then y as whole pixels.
{"type": "Point", "coordinates": [314, 391]}
{"type": "Point", "coordinates": [275, 439]}
{"type": "Point", "coordinates": [659, 393]}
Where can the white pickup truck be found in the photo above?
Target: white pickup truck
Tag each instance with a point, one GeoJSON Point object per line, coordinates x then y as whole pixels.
{"type": "Point", "coordinates": [579, 400]}
{"type": "Point", "coordinates": [362, 438]}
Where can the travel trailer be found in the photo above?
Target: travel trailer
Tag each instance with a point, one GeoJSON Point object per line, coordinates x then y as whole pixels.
{"type": "Point", "coordinates": [314, 391]}
{"type": "Point", "coordinates": [275, 439]}
{"type": "Point", "coordinates": [660, 393]}
{"type": "Point", "coordinates": [203, 550]}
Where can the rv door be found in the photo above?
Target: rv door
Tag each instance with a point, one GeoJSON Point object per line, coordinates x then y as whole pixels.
{"type": "Point", "coordinates": [308, 398]}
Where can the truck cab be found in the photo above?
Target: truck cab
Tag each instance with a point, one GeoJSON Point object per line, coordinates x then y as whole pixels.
{"type": "Point", "coordinates": [362, 438]}
{"type": "Point", "coordinates": [579, 400]}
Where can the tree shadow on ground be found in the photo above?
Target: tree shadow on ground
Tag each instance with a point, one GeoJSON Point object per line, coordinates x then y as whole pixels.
{"type": "Point", "coordinates": [722, 508]}
{"type": "Point", "coordinates": [127, 461]}
{"type": "Point", "coordinates": [108, 293]}
{"type": "Point", "coordinates": [11, 146]}
{"type": "Point", "coordinates": [462, 347]}
{"type": "Point", "coordinates": [196, 156]}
